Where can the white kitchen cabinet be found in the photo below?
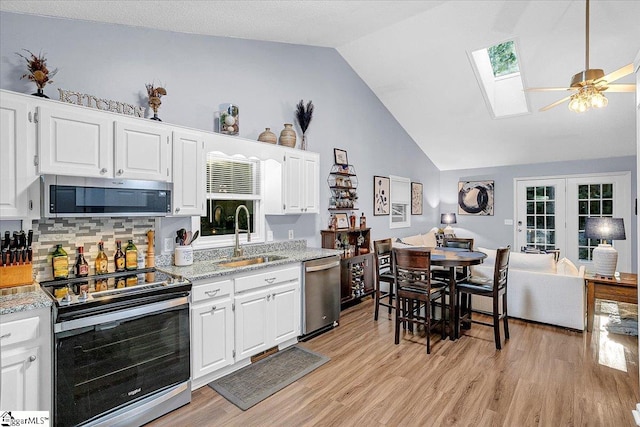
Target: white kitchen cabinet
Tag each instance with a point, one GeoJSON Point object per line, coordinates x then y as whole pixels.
{"type": "Point", "coordinates": [267, 310]}
{"type": "Point", "coordinates": [212, 332]}
{"type": "Point", "coordinates": [17, 167]}
{"type": "Point", "coordinates": [189, 174]}
{"type": "Point", "coordinates": [142, 150]}
{"type": "Point", "coordinates": [293, 186]}
{"type": "Point", "coordinates": [74, 141]}
{"type": "Point", "coordinates": [25, 361]}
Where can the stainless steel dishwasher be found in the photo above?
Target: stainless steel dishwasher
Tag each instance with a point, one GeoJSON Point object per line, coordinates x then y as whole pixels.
{"type": "Point", "coordinates": [320, 295]}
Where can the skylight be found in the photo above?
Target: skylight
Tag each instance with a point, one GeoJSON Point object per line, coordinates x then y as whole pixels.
{"type": "Point", "coordinates": [500, 78]}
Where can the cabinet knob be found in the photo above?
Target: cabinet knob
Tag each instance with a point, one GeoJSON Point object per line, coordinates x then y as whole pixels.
{"type": "Point", "coordinates": [177, 210]}
{"type": "Point", "coordinates": [213, 308]}
{"type": "Point", "coordinates": [32, 358]}
{"type": "Point", "coordinates": [273, 295]}
{"type": "Point", "coordinates": [269, 297]}
{"type": "Point", "coordinates": [103, 171]}
{"type": "Point", "coordinates": [120, 171]}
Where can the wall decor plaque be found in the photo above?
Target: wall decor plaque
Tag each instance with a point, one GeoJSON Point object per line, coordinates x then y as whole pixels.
{"type": "Point", "coordinates": [91, 101]}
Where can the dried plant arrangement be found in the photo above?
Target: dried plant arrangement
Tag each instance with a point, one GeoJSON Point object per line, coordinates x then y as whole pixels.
{"type": "Point", "coordinates": [155, 93]}
{"type": "Point", "coordinates": [304, 116]}
{"type": "Point", "coordinates": [38, 71]}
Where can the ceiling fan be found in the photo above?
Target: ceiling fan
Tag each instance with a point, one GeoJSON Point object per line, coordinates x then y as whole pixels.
{"type": "Point", "coordinates": [588, 85]}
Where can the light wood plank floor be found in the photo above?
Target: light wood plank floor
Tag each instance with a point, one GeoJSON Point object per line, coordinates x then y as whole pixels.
{"type": "Point", "coordinates": [543, 376]}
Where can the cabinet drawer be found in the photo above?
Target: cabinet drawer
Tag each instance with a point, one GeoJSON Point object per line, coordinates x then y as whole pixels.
{"type": "Point", "coordinates": [19, 331]}
{"type": "Point", "coordinates": [267, 278]}
{"type": "Point", "coordinates": [211, 290]}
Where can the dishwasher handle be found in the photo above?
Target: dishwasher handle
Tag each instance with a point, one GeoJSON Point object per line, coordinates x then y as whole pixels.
{"type": "Point", "coordinates": [322, 267]}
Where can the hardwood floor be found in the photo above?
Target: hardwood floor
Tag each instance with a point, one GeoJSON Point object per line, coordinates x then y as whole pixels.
{"type": "Point", "coordinates": [544, 375]}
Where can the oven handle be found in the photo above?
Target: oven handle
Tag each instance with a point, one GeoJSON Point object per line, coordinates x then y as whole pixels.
{"type": "Point", "coordinates": [120, 315]}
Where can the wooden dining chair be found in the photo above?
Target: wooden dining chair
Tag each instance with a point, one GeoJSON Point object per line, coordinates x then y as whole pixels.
{"type": "Point", "coordinates": [442, 273]}
{"type": "Point", "coordinates": [496, 289]}
{"type": "Point", "coordinates": [384, 274]}
{"type": "Point", "coordinates": [414, 290]}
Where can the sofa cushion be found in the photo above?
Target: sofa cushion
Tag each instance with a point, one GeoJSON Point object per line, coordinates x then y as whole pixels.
{"type": "Point", "coordinates": [540, 263]}
{"type": "Point", "coordinates": [491, 256]}
{"type": "Point", "coordinates": [567, 268]}
{"type": "Point", "coordinates": [429, 238]}
{"type": "Point", "coordinates": [413, 240]}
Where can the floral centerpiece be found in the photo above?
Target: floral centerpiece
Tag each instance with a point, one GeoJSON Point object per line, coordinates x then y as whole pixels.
{"type": "Point", "coordinates": [38, 71]}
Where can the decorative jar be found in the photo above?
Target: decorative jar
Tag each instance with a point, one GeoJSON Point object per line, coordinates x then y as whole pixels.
{"type": "Point", "coordinates": [288, 136]}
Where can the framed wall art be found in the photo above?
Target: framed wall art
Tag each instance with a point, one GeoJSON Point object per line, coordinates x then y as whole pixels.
{"type": "Point", "coordinates": [416, 198]}
{"type": "Point", "coordinates": [340, 157]}
{"type": "Point", "coordinates": [380, 195]}
{"type": "Point", "coordinates": [342, 220]}
{"type": "Point", "coordinates": [475, 197]}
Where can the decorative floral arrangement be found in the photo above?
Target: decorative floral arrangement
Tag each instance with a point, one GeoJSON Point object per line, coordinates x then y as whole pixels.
{"type": "Point", "coordinates": [38, 71]}
{"type": "Point", "coordinates": [155, 93]}
{"type": "Point", "coordinates": [304, 116]}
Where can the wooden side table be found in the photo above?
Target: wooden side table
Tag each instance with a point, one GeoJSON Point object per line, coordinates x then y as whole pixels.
{"type": "Point", "coordinates": [623, 289]}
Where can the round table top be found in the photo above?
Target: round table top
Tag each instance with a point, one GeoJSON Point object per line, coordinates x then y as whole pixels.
{"type": "Point", "coordinates": [454, 257]}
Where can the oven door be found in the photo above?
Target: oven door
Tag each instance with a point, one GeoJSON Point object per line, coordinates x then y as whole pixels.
{"type": "Point", "coordinates": [107, 361]}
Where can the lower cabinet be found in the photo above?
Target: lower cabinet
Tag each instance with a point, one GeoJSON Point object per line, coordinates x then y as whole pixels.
{"type": "Point", "coordinates": [241, 316]}
{"type": "Point", "coordinates": [25, 361]}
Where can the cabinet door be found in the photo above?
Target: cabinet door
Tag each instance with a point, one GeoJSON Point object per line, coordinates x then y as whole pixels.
{"type": "Point", "coordinates": [212, 337]}
{"type": "Point", "coordinates": [74, 142]}
{"type": "Point", "coordinates": [13, 162]}
{"type": "Point", "coordinates": [142, 151]}
{"type": "Point", "coordinates": [19, 379]}
{"type": "Point", "coordinates": [284, 312]}
{"type": "Point", "coordinates": [188, 174]}
{"type": "Point", "coordinates": [294, 197]}
{"type": "Point", "coordinates": [311, 190]}
{"type": "Point", "coordinates": [252, 330]}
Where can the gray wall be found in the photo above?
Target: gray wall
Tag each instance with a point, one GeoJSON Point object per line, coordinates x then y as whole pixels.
{"type": "Point", "coordinates": [490, 231]}
{"type": "Point", "coordinates": [264, 79]}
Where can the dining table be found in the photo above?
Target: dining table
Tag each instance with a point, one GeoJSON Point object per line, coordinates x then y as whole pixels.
{"type": "Point", "coordinates": [453, 258]}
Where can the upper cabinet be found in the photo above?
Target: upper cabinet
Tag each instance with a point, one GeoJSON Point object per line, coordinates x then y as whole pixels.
{"type": "Point", "coordinates": [188, 174]}
{"type": "Point", "coordinates": [17, 159]}
{"type": "Point", "coordinates": [292, 186]}
{"type": "Point", "coordinates": [142, 150]}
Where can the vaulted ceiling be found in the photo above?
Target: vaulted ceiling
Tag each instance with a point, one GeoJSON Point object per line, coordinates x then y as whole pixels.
{"type": "Point", "coordinates": [413, 56]}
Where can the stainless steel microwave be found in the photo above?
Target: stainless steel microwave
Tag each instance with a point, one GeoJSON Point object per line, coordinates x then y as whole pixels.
{"type": "Point", "coordinates": [66, 196]}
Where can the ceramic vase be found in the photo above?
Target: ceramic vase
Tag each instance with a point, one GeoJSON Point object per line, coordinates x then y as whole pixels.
{"type": "Point", "coordinates": [268, 136]}
{"type": "Point", "coordinates": [288, 136]}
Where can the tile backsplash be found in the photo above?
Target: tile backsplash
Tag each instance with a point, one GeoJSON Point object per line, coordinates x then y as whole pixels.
{"type": "Point", "coordinates": [87, 232]}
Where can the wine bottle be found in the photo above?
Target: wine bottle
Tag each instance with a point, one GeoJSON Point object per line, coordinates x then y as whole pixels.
{"type": "Point", "coordinates": [118, 258]}
{"type": "Point", "coordinates": [131, 256]}
{"type": "Point", "coordinates": [60, 263]}
{"type": "Point", "coordinates": [102, 262]}
{"type": "Point", "coordinates": [81, 266]}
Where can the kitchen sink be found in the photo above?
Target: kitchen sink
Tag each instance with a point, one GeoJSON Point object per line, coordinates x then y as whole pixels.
{"type": "Point", "coordinates": [250, 261]}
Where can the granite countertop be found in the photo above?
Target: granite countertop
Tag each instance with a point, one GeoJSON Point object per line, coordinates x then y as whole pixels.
{"type": "Point", "coordinates": [206, 269]}
{"type": "Point", "coordinates": [23, 298]}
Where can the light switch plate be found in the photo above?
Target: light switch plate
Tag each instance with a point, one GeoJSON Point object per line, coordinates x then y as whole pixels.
{"type": "Point", "coordinates": [168, 245]}
{"type": "Point", "coordinates": [508, 222]}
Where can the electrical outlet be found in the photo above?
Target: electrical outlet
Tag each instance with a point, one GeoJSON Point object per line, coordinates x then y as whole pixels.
{"type": "Point", "coordinates": [269, 236]}
{"type": "Point", "coordinates": [168, 245]}
{"type": "Point", "coordinates": [290, 234]}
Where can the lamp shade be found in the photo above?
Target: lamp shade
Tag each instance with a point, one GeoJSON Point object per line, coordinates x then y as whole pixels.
{"type": "Point", "coordinates": [448, 218]}
{"type": "Point", "coordinates": [604, 228]}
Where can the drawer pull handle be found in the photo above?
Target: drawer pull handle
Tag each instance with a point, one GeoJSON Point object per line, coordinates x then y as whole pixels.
{"type": "Point", "coordinates": [273, 296]}
{"type": "Point", "coordinates": [268, 297]}
{"type": "Point", "coordinates": [32, 359]}
{"type": "Point", "coordinates": [270, 280]}
{"type": "Point", "coordinates": [7, 335]}
{"type": "Point", "coordinates": [212, 293]}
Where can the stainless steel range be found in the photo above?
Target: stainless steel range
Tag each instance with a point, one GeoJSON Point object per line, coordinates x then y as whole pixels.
{"type": "Point", "coordinates": [121, 353]}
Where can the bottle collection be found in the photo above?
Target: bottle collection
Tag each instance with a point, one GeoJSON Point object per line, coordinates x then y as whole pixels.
{"type": "Point", "coordinates": [123, 260]}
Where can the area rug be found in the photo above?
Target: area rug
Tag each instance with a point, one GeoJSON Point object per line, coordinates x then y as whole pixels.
{"type": "Point", "coordinates": [623, 317]}
{"type": "Point", "coordinates": [254, 383]}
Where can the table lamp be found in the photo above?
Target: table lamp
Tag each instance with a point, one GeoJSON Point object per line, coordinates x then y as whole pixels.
{"type": "Point", "coordinates": [605, 257]}
{"type": "Point", "coordinates": [447, 219]}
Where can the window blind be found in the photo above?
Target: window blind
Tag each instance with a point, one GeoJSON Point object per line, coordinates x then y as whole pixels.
{"type": "Point", "coordinates": [232, 176]}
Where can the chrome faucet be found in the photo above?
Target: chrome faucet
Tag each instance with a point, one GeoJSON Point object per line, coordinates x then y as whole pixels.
{"type": "Point", "coordinates": [237, 250]}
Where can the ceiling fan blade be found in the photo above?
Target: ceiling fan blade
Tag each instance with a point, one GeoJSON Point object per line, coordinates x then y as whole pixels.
{"type": "Point", "coordinates": [555, 104]}
{"type": "Point", "coordinates": [620, 88]}
{"type": "Point", "coordinates": [548, 89]}
{"type": "Point", "coordinates": [617, 74]}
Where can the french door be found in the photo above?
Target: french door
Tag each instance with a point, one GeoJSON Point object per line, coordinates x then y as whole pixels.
{"type": "Point", "coordinates": [551, 214]}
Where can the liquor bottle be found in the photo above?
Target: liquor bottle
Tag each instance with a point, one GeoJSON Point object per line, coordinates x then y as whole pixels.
{"type": "Point", "coordinates": [131, 256]}
{"type": "Point", "coordinates": [81, 267]}
{"type": "Point", "coordinates": [118, 258]}
{"type": "Point", "coordinates": [60, 263]}
{"type": "Point", "coordinates": [102, 262]}
{"type": "Point", "coordinates": [363, 222]}
{"type": "Point", "coordinates": [352, 220]}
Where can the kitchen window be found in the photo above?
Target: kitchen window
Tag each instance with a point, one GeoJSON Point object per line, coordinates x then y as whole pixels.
{"type": "Point", "coordinates": [231, 181]}
{"type": "Point", "coordinates": [400, 196]}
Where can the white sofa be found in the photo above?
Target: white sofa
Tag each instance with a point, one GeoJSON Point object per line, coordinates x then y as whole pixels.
{"type": "Point", "coordinates": [539, 289]}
